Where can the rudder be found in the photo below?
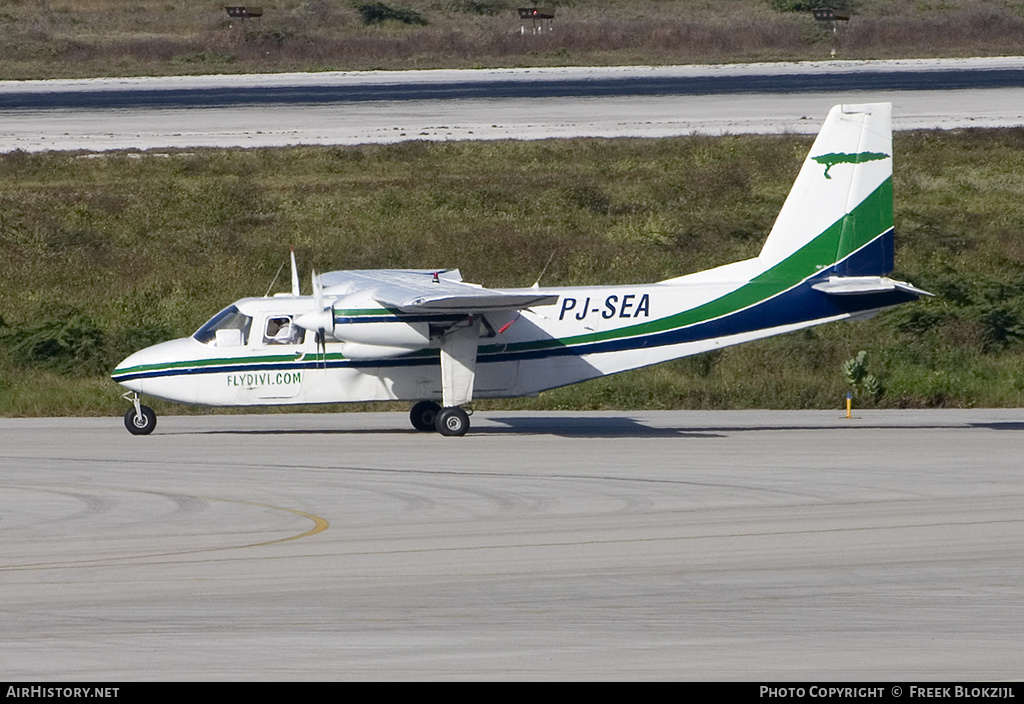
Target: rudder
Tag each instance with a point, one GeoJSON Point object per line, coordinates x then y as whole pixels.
{"type": "Point", "coordinates": [839, 213]}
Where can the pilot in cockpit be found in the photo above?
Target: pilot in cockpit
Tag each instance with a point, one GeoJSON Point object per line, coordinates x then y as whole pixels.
{"type": "Point", "coordinates": [281, 331]}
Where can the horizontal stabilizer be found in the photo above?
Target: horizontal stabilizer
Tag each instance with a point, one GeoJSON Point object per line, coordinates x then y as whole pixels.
{"type": "Point", "coordinates": [865, 285]}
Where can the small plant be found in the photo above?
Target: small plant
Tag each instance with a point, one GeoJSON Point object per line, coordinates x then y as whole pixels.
{"type": "Point", "coordinates": [855, 371]}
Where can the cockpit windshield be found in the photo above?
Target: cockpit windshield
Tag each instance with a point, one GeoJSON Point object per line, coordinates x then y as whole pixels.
{"type": "Point", "coordinates": [229, 328]}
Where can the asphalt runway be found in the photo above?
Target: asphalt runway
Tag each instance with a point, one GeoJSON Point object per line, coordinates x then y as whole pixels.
{"type": "Point", "coordinates": [751, 545]}
{"type": "Point", "coordinates": [392, 106]}
{"type": "Point", "coordinates": [331, 88]}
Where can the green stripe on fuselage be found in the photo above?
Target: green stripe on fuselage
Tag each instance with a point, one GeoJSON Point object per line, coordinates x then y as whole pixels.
{"type": "Point", "coordinates": [219, 361]}
{"type": "Point", "coordinates": [868, 220]}
{"type": "Point", "coordinates": [872, 217]}
{"type": "Point", "coordinates": [360, 312]}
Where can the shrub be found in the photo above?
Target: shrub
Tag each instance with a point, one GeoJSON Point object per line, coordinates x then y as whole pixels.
{"type": "Point", "coordinates": [378, 12]}
{"type": "Point", "coordinates": [855, 371]}
{"type": "Point", "coordinates": [805, 5]}
{"type": "Point", "coordinates": [67, 343]}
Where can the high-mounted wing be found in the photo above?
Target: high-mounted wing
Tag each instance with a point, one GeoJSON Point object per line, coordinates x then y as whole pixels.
{"type": "Point", "coordinates": [412, 293]}
{"type": "Point", "coordinates": [427, 291]}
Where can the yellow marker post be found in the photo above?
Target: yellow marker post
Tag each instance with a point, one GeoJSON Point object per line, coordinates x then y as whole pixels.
{"type": "Point", "coordinates": [849, 404]}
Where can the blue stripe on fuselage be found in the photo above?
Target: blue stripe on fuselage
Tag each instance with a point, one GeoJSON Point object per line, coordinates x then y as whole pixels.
{"type": "Point", "coordinates": [799, 304]}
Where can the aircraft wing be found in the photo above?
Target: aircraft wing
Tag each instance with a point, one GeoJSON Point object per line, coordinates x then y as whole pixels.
{"type": "Point", "coordinates": [430, 291]}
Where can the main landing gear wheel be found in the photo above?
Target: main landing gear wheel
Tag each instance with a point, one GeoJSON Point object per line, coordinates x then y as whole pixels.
{"type": "Point", "coordinates": [452, 421]}
{"type": "Point", "coordinates": [424, 416]}
{"type": "Point", "coordinates": [141, 423]}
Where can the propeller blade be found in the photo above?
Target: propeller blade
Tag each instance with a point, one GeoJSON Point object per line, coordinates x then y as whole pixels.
{"type": "Point", "coordinates": [322, 316]}
{"type": "Point", "coordinates": [295, 276]}
{"type": "Point", "coordinates": [318, 292]}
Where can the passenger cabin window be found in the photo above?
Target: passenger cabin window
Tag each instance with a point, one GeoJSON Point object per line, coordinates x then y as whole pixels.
{"type": "Point", "coordinates": [281, 330]}
{"type": "Point", "coordinates": [229, 328]}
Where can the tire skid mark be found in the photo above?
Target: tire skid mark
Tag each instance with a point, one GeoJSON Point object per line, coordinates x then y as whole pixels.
{"type": "Point", "coordinates": [185, 502]}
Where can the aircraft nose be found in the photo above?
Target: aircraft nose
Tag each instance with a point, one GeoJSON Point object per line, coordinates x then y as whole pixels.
{"type": "Point", "coordinates": [127, 372]}
{"type": "Point", "coordinates": [161, 371]}
{"type": "Point", "coordinates": [136, 368]}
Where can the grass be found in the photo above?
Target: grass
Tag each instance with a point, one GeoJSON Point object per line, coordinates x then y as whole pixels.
{"type": "Point", "coordinates": [85, 38]}
{"type": "Point", "coordinates": [104, 254]}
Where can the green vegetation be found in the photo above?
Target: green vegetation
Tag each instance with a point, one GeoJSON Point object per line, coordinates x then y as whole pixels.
{"type": "Point", "coordinates": [102, 254]}
{"type": "Point", "coordinates": [85, 38]}
{"type": "Point", "coordinates": [803, 5]}
{"type": "Point", "coordinates": [379, 13]}
{"type": "Point", "coordinates": [862, 382]}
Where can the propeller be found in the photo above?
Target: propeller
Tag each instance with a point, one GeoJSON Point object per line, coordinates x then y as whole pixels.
{"type": "Point", "coordinates": [318, 305]}
{"type": "Point", "coordinates": [321, 319]}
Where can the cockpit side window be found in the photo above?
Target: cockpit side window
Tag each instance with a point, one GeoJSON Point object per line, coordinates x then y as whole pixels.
{"type": "Point", "coordinates": [281, 330]}
{"type": "Point", "coordinates": [228, 328]}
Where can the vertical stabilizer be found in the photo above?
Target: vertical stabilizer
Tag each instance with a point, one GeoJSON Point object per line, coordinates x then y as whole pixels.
{"type": "Point", "coordinates": [839, 213]}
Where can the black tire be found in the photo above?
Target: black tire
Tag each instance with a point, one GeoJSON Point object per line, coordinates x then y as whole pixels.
{"type": "Point", "coordinates": [140, 425]}
{"type": "Point", "coordinates": [452, 421]}
{"type": "Point", "coordinates": [424, 416]}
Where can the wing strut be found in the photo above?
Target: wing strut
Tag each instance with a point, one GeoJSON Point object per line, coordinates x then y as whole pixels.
{"type": "Point", "coordinates": [458, 363]}
{"type": "Point", "coordinates": [458, 374]}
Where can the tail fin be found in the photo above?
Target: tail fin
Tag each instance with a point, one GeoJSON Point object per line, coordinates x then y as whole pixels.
{"type": "Point", "coordinates": [838, 216]}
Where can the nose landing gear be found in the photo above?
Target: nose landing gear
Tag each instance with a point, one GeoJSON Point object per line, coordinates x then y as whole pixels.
{"type": "Point", "coordinates": [139, 420]}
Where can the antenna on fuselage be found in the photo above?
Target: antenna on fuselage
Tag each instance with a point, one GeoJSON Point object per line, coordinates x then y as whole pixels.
{"type": "Point", "coordinates": [274, 281]}
{"type": "Point", "coordinates": [536, 284]}
{"type": "Point", "coordinates": [295, 278]}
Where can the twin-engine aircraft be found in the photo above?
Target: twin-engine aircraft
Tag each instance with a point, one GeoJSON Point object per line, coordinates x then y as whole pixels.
{"type": "Point", "coordinates": [427, 336]}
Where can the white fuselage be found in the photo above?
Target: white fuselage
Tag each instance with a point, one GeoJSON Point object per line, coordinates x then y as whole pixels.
{"type": "Point", "coordinates": [590, 332]}
{"type": "Point", "coordinates": [375, 335]}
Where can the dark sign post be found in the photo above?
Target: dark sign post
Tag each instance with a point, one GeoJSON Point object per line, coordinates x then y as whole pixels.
{"type": "Point", "coordinates": [243, 12]}
{"type": "Point", "coordinates": [829, 18]}
{"type": "Point", "coordinates": [537, 16]}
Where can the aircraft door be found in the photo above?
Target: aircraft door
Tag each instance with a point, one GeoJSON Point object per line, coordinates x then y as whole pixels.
{"type": "Point", "coordinates": [496, 378]}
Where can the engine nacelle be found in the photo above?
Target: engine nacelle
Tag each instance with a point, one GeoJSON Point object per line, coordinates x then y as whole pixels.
{"type": "Point", "coordinates": [359, 351]}
{"type": "Point", "coordinates": [413, 336]}
{"type": "Point", "coordinates": [360, 320]}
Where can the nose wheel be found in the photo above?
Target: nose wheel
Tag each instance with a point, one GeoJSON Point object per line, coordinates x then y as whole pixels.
{"type": "Point", "coordinates": [139, 420]}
